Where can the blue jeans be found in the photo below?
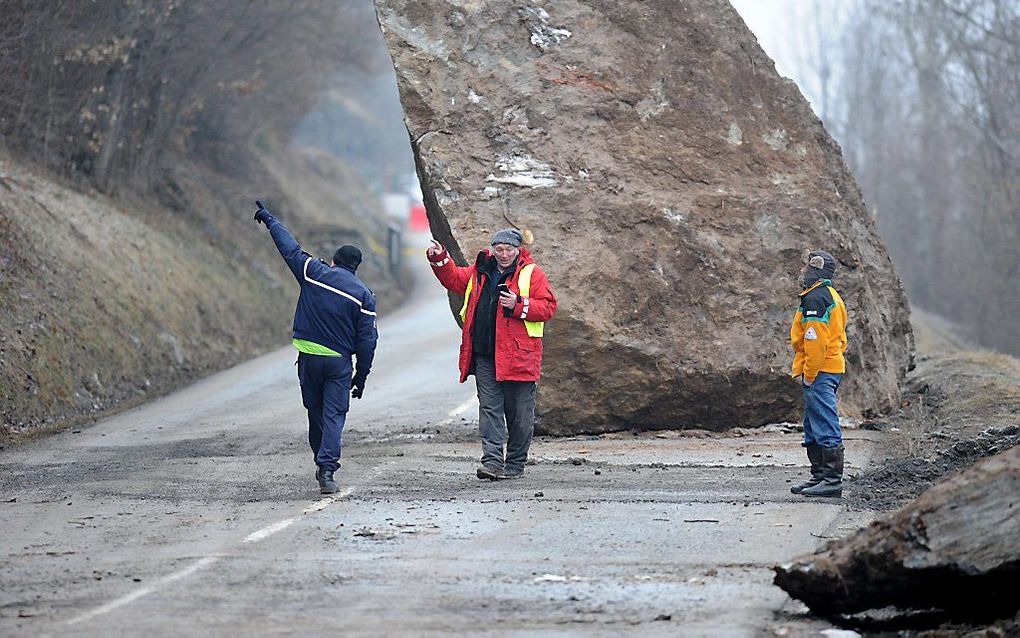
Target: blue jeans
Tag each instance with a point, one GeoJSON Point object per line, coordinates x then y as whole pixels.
{"type": "Point", "coordinates": [326, 394]}
{"type": "Point", "coordinates": [821, 421]}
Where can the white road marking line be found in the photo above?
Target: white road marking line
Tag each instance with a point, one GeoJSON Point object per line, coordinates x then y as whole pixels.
{"type": "Point", "coordinates": [254, 537]}
{"type": "Point", "coordinates": [459, 410]}
{"type": "Point", "coordinates": [269, 530]}
{"type": "Point", "coordinates": [318, 506]}
{"type": "Point", "coordinates": [463, 407]}
{"type": "Point", "coordinates": [145, 591]}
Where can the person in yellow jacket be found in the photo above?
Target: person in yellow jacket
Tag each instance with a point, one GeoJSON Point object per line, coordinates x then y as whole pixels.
{"type": "Point", "coordinates": [818, 336]}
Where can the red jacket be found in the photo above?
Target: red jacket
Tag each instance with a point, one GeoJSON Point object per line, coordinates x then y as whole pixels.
{"type": "Point", "coordinates": [518, 355]}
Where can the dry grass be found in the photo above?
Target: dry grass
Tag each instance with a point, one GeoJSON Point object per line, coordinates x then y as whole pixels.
{"type": "Point", "coordinates": [101, 306]}
{"type": "Point", "coordinates": [970, 390]}
{"type": "Point", "coordinates": [106, 302]}
{"type": "Point", "coordinates": [957, 386]}
{"type": "Point", "coordinates": [917, 428]}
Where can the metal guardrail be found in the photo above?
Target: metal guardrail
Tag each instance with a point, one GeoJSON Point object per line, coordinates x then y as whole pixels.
{"type": "Point", "coordinates": [394, 241]}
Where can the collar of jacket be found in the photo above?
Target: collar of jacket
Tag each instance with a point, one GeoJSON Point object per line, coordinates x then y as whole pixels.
{"type": "Point", "coordinates": [820, 282]}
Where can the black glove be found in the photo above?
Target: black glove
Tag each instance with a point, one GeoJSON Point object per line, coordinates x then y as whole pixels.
{"type": "Point", "coordinates": [358, 387]}
{"type": "Point", "coordinates": [262, 214]}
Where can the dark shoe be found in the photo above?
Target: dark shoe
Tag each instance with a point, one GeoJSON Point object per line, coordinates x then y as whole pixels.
{"type": "Point", "coordinates": [814, 454]}
{"type": "Point", "coordinates": [326, 483]}
{"type": "Point", "coordinates": [832, 474]}
{"type": "Point", "coordinates": [488, 471]}
{"type": "Point", "coordinates": [515, 473]}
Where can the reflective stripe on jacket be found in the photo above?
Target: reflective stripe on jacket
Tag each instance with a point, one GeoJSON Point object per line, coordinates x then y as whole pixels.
{"type": "Point", "coordinates": [335, 309]}
{"type": "Point", "coordinates": [535, 328]}
{"type": "Point", "coordinates": [518, 354]}
{"type": "Point", "coordinates": [818, 333]}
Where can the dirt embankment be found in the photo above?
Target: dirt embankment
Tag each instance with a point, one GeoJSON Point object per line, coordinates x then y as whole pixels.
{"type": "Point", "coordinates": [959, 405]}
{"type": "Point", "coordinates": [134, 138]}
{"type": "Point", "coordinates": [110, 301]}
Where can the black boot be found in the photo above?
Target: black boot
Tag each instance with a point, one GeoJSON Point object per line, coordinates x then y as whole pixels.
{"type": "Point", "coordinates": [814, 455]}
{"type": "Point", "coordinates": [326, 483]}
{"type": "Point", "coordinates": [832, 474]}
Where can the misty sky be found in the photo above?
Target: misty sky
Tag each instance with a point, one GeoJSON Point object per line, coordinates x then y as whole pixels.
{"type": "Point", "coordinates": [771, 21]}
{"type": "Point", "coordinates": [778, 25]}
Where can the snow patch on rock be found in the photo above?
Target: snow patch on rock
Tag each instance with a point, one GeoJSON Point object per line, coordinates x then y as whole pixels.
{"type": "Point", "coordinates": [674, 216]}
{"type": "Point", "coordinates": [777, 140]}
{"type": "Point", "coordinates": [523, 170]}
{"type": "Point", "coordinates": [542, 34]}
{"type": "Point", "coordinates": [735, 136]}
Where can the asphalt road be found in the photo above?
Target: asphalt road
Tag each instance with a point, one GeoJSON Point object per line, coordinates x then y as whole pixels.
{"type": "Point", "coordinates": [199, 514]}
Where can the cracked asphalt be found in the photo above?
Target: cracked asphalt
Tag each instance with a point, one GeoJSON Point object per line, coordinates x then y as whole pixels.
{"type": "Point", "coordinates": [198, 514]}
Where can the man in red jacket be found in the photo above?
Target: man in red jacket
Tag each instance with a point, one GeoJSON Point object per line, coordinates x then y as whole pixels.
{"type": "Point", "coordinates": [507, 299]}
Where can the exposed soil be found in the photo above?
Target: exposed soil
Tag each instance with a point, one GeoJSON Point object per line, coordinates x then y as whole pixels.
{"type": "Point", "coordinates": [959, 405]}
{"type": "Point", "coordinates": [896, 481]}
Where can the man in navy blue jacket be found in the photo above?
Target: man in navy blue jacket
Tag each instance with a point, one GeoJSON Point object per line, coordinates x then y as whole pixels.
{"type": "Point", "coordinates": [334, 319]}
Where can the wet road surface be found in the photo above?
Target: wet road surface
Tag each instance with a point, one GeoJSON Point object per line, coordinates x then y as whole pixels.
{"type": "Point", "coordinates": [199, 514]}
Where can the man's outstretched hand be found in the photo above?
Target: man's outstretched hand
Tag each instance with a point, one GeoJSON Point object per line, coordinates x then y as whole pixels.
{"type": "Point", "coordinates": [262, 214]}
{"type": "Point", "coordinates": [435, 250]}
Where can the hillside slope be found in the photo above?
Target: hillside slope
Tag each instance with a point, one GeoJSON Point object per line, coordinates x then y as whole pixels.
{"type": "Point", "coordinates": [112, 300]}
{"type": "Point", "coordinates": [134, 139]}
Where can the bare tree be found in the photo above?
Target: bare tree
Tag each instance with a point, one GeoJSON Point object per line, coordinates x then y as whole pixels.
{"type": "Point", "coordinates": [107, 91]}
{"type": "Point", "coordinates": [928, 111]}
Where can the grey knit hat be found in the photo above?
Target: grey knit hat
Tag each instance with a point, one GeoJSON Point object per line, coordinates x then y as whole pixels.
{"type": "Point", "coordinates": [510, 236]}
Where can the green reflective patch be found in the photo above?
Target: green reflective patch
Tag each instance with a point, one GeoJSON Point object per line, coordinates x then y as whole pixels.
{"type": "Point", "coordinates": [310, 347]}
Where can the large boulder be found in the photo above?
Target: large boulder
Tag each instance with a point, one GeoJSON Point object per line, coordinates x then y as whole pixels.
{"type": "Point", "coordinates": [673, 182]}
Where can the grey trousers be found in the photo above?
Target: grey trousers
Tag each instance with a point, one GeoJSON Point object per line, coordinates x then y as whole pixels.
{"type": "Point", "coordinates": [506, 416]}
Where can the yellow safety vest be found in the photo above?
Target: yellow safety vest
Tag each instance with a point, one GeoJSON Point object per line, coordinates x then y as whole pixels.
{"type": "Point", "coordinates": [534, 328]}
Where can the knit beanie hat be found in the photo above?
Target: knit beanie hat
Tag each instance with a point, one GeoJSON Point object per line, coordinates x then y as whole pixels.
{"type": "Point", "coordinates": [510, 236]}
{"type": "Point", "coordinates": [349, 256]}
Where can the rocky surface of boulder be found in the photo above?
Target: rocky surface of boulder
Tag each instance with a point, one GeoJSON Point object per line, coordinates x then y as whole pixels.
{"type": "Point", "coordinates": [673, 182]}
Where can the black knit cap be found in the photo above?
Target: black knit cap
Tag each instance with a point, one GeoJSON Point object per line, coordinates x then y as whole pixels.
{"type": "Point", "coordinates": [347, 255]}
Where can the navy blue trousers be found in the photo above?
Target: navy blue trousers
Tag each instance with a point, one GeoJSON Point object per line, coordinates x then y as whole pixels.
{"type": "Point", "coordinates": [326, 394]}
